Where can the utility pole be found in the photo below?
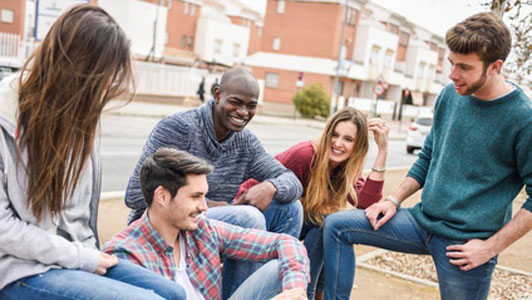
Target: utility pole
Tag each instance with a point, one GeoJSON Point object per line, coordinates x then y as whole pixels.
{"type": "Point", "coordinates": [334, 100]}
{"type": "Point", "coordinates": [151, 54]}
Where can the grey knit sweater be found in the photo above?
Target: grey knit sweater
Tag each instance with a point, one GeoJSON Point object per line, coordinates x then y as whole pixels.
{"type": "Point", "coordinates": [237, 158]}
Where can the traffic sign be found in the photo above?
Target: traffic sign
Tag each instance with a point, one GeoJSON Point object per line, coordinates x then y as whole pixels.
{"type": "Point", "coordinates": [378, 89]}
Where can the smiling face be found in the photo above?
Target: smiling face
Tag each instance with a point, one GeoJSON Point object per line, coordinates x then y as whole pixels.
{"type": "Point", "coordinates": [235, 104]}
{"type": "Point", "coordinates": [467, 73]}
{"type": "Point", "coordinates": [342, 142]}
{"type": "Point", "coordinates": [182, 211]}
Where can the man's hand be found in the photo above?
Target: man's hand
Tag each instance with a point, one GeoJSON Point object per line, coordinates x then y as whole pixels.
{"type": "Point", "coordinates": [293, 294]}
{"type": "Point", "coordinates": [260, 195]}
{"type": "Point", "coordinates": [106, 261]}
{"type": "Point", "coordinates": [471, 254]}
{"type": "Point", "coordinates": [385, 208]}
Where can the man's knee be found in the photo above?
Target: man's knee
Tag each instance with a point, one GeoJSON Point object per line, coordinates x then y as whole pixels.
{"type": "Point", "coordinates": [250, 217]}
{"type": "Point", "coordinates": [339, 220]}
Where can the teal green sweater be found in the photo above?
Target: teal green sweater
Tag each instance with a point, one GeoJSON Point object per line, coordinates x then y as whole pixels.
{"type": "Point", "coordinates": [475, 161]}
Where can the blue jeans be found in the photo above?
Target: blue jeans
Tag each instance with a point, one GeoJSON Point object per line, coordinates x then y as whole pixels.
{"type": "Point", "coordinates": [123, 281]}
{"type": "Point", "coordinates": [280, 218]}
{"type": "Point", "coordinates": [402, 233]}
{"type": "Point", "coordinates": [264, 284]}
{"type": "Point", "coordinates": [312, 237]}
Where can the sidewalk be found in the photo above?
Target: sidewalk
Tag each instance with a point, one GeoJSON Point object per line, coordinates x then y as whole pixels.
{"type": "Point", "coordinates": [368, 284]}
{"type": "Point", "coordinates": [158, 110]}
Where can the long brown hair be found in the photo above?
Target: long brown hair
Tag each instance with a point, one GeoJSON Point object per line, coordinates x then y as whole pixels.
{"type": "Point", "coordinates": [82, 63]}
{"type": "Point", "coordinates": [325, 193]}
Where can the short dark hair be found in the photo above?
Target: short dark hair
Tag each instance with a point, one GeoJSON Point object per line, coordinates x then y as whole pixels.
{"type": "Point", "coordinates": [484, 34]}
{"type": "Point", "coordinates": [168, 168]}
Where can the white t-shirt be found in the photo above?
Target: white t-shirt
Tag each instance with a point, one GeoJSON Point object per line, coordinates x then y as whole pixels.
{"type": "Point", "coordinates": [193, 293]}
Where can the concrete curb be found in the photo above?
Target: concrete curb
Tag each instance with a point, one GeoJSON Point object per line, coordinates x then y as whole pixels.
{"type": "Point", "coordinates": [368, 256]}
{"type": "Point", "coordinates": [107, 196]}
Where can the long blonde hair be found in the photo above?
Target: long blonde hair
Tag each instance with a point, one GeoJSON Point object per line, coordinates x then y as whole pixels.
{"type": "Point", "coordinates": [326, 193]}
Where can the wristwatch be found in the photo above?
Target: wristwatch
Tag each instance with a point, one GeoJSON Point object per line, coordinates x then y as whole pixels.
{"type": "Point", "coordinates": [393, 200]}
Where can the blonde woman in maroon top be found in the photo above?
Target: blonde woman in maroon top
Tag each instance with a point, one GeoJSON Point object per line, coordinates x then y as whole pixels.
{"type": "Point", "coordinates": [330, 171]}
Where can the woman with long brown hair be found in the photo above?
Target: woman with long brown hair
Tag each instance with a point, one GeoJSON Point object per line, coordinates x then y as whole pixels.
{"type": "Point", "coordinates": [50, 169]}
{"type": "Point", "coordinates": [330, 171]}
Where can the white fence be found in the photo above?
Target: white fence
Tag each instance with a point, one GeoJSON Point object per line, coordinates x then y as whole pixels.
{"type": "Point", "coordinates": [12, 47]}
{"type": "Point", "coordinates": [168, 80]}
{"type": "Point", "coordinates": [385, 107]}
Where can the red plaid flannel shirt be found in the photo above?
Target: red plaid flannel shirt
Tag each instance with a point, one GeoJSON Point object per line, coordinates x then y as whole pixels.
{"type": "Point", "coordinates": [141, 244]}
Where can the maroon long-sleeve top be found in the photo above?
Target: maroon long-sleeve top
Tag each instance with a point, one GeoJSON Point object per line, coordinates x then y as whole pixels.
{"type": "Point", "coordinates": [298, 159]}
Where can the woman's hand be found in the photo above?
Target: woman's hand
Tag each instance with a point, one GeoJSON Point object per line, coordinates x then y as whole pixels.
{"type": "Point", "coordinates": [106, 261]}
{"type": "Point", "coordinates": [380, 133]}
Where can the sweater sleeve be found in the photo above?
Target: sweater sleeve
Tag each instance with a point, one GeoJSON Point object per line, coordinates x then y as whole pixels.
{"type": "Point", "coordinates": [524, 162]}
{"type": "Point", "coordinates": [419, 170]}
{"type": "Point", "coordinates": [169, 132]}
{"type": "Point", "coordinates": [296, 159]}
{"type": "Point", "coordinates": [368, 192]}
{"type": "Point", "coordinates": [264, 167]}
{"type": "Point", "coordinates": [259, 245]}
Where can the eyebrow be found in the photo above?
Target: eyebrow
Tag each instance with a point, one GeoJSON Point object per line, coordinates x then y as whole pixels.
{"type": "Point", "coordinates": [461, 64]}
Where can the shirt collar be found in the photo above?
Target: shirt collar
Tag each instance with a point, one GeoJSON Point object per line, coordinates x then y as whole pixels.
{"type": "Point", "coordinates": [153, 237]}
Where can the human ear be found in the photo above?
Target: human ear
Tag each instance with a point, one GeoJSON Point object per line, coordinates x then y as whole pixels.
{"type": "Point", "coordinates": [216, 94]}
{"type": "Point", "coordinates": [161, 196]}
{"type": "Point", "coordinates": [495, 67]}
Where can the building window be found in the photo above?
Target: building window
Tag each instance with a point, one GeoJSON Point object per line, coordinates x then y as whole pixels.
{"type": "Point", "coordinates": [190, 42]}
{"type": "Point", "coordinates": [259, 32]}
{"type": "Point", "coordinates": [272, 80]}
{"type": "Point", "coordinates": [350, 16]}
{"type": "Point", "coordinates": [432, 72]}
{"type": "Point", "coordinates": [421, 70]}
{"type": "Point", "coordinates": [218, 46]}
{"type": "Point", "coordinates": [403, 38]}
{"type": "Point", "coordinates": [388, 59]}
{"type": "Point", "coordinates": [8, 15]}
{"type": "Point", "coordinates": [236, 50]}
{"type": "Point", "coordinates": [183, 41]}
{"type": "Point", "coordinates": [403, 45]}
{"type": "Point", "coordinates": [393, 28]}
{"type": "Point", "coordinates": [192, 9]}
{"type": "Point", "coordinates": [280, 6]}
{"type": "Point", "coordinates": [277, 43]}
{"type": "Point", "coordinates": [186, 8]}
{"type": "Point", "coordinates": [374, 55]}
{"type": "Point", "coordinates": [441, 57]}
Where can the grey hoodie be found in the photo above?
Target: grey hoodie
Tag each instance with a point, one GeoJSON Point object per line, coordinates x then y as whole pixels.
{"type": "Point", "coordinates": [27, 247]}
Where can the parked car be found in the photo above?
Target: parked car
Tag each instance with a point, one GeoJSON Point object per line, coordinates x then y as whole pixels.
{"type": "Point", "coordinates": [417, 132]}
{"type": "Point", "coordinates": [8, 66]}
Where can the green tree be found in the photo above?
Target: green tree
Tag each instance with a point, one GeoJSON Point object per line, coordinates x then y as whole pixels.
{"type": "Point", "coordinates": [312, 101]}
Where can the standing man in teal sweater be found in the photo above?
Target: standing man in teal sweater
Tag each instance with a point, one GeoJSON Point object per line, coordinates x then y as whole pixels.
{"type": "Point", "coordinates": [475, 161]}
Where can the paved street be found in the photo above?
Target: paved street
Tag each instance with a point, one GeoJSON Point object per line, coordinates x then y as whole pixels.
{"type": "Point", "coordinates": [124, 136]}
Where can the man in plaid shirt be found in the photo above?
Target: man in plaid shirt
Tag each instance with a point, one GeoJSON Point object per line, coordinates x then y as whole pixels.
{"type": "Point", "coordinates": [174, 238]}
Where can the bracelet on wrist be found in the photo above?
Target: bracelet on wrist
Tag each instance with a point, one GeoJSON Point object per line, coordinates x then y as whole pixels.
{"type": "Point", "coordinates": [393, 200]}
{"type": "Point", "coordinates": [378, 169]}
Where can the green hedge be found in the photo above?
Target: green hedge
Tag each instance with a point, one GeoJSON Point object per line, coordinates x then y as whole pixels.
{"type": "Point", "coordinates": [312, 101]}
